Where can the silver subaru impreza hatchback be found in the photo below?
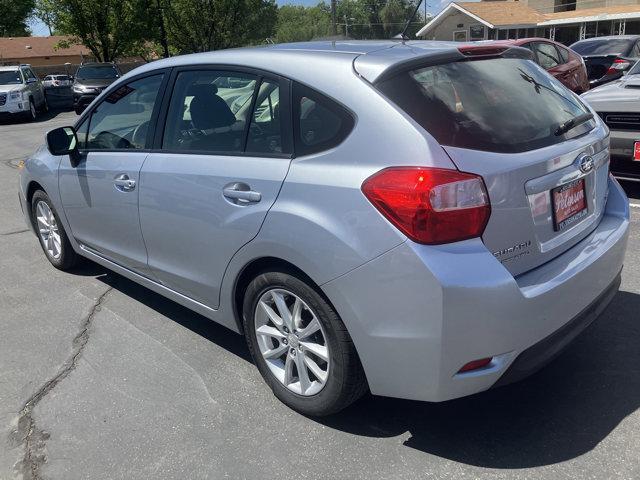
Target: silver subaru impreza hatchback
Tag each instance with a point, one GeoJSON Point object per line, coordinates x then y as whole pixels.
{"type": "Point", "coordinates": [421, 220]}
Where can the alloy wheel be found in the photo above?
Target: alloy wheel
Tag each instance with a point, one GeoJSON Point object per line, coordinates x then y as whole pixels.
{"type": "Point", "coordinates": [292, 341]}
{"type": "Point", "coordinates": [48, 230]}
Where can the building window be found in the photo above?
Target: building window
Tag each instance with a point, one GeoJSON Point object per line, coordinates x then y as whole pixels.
{"type": "Point", "coordinates": [564, 5]}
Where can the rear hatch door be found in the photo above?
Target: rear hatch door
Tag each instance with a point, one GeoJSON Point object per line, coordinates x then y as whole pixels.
{"type": "Point", "coordinates": [501, 118]}
{"type": "Point", "coordinates": [598, 65]}
{"type": "Point", "coordinates": [542, 201]}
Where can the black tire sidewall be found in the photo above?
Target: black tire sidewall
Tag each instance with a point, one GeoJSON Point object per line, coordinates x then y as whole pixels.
{"type": "Point", "coordinates": [68, 256]}
{"type": "Point", "coordinates": [330, 398]}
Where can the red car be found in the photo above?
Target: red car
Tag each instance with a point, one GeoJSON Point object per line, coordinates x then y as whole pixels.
{"type": "Point", "coordinates": [561, 62]}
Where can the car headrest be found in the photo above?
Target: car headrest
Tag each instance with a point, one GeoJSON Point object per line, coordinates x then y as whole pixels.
{"type": "Point", "coordinates": [208, 110]}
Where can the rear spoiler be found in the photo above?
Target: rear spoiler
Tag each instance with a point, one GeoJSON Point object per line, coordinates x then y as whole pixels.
{"type": "Point", "coordinates": [464, 53]}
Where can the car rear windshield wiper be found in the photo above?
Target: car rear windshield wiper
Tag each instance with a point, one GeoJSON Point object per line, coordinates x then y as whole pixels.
{"type": "Point", "coordinates": [572, 123]}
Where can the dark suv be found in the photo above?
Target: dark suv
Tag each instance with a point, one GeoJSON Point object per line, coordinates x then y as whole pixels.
{"type": "Point", "coordinates": [90, 80]}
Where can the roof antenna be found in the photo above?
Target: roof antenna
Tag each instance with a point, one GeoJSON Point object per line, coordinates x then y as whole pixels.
{"type": "Point", "coordinates": [403, 35]}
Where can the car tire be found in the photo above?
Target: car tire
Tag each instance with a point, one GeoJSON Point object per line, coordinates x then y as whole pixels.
{"type": "Point", "coordinates": [31, 114]}
{"type": "Point", "coordinates": [331, 385]}
{"type": "Point", "coordinates": [53, 239]}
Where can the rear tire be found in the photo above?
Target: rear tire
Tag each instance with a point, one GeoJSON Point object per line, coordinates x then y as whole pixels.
{"type": "Point", "coordinates": [53, 239]}
{"type": "Point", "coordinates": [327, 386]}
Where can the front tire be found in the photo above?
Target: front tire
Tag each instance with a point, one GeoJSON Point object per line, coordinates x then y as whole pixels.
{"type": "Point", "coordinates": [53, 239]}
{"type": "Point", "coordinates": [300, 346]}
{"type": "Point", "coordinates": [32, 113]}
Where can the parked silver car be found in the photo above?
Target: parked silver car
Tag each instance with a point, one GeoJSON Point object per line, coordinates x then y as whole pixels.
{"type": "Point", "coordinates": [53, 81]}
{"type": "Point", "coordinates": [618, 104]}
{"type": "Point", "coordinates": [21, 92]}
{"type": "Point", "coordinates": [425, 220]}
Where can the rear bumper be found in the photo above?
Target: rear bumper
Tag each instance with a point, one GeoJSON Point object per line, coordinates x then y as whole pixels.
{"type": "Point", "coordinates": [605, 79]}
{"type": "Point", "coordinates": [418, 313]}
{"type": "Point", "coordinates": [543, 352]}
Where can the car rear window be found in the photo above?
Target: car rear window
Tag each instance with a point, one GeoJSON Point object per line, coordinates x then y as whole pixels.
{"type": "Point", "coordinates": [603, 47]}
{"type": "Point", "coordinates": [498, 105]}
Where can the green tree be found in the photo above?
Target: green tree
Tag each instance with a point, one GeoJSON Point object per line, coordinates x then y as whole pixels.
{"type": "Point", "coordinates": [110, 29]}
{"type": "Point", "coordinates": [204, 25]}
{"type": "Point", "coordinates": [45, 11]}
{"type": "Point", "coordinates": [13, 17]}
{"type": "Point", "coordinates": [297, 23]}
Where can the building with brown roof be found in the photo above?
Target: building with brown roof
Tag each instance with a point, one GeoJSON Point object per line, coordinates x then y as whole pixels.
{"type": "Point", "coordinates": [565, 21]}
{"type": "Point", "coordinates": [40, 51]}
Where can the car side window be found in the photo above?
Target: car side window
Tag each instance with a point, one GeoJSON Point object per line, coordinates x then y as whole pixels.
{"type": "Point", "coordinates": [208, 112]}
{"type": "Point", "coordinates": [319, 123]}
{"type": "Point", "coordinates": [548, 56]}
{"type": "Point", "coordinates": [265, 131]}
{"type": "Point", "coordinates": [121, 120]}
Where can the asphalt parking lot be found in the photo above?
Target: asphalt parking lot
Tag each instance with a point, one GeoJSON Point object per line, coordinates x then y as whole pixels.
{"type": "Point", "coordinates": [103, 379]}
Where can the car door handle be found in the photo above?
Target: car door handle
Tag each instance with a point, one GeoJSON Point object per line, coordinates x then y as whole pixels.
{"type": "Point", "coordinates": [241, 193]}
{"type": "Point", "coordinates": [124, 183]}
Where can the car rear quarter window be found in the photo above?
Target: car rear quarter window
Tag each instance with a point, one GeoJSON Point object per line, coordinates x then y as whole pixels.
{"type": "Point", "coordinates": [498, 105]}
{"type": "Point", "coordinates": [564, 54]}
{"type": "Point", "coordinates": [319, 123]}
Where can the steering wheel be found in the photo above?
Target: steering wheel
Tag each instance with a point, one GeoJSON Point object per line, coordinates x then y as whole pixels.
{"type": "Point", "coordinates": [139, 136]}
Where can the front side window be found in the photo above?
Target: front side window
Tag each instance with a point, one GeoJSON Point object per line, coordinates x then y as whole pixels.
{"type": "Point", "coordinates": [209, 111]}
{"type": "Point", "coordinates": [319, 122]}
{"type": "Point", "coordinates": [547, 55]}
{"type": "Point", "coordinates": [121, 120]}
{"type": "Point", "coordinates": [497, 105]}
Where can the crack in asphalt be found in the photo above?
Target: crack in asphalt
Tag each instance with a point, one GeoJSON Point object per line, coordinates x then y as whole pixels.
{"type": "Point", "coordinates": [15, 232]}
{"type": "Point", "coordinates": [27, 432]}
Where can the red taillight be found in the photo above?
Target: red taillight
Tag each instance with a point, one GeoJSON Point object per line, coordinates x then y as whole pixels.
{"type": "Point", "coordinates": [476, 364]}
{"type": "Point", "coordinates": [618, 66]}
{"type": "Point", "coordinates": [430, 205]}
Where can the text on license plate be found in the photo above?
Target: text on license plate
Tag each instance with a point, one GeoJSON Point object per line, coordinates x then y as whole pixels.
{"type": "Point", "coordinates": [569, 204]}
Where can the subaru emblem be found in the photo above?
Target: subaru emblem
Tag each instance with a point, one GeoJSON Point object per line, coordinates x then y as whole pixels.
{"type": "Point", "coordinates": [585, 162]}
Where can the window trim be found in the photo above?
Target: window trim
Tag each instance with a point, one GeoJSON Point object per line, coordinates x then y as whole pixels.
{"type": "Point", "coordinates": [285, 88]}
{"type": "Point", "coordinates": [153, 121]}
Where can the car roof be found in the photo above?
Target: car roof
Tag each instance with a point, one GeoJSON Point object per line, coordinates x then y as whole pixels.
{"type": "Point", "coordinates": [610, 37]}
{"type": "Point", "coordinates": [301, 61]}
{"type": "Point", "coordinates": [9, 68]}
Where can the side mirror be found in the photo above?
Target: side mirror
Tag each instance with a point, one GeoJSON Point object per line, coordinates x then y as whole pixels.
{"type": "Point", "coordinates": [32, 80]}
{"type": "Point", "coordinates": [63, 141]}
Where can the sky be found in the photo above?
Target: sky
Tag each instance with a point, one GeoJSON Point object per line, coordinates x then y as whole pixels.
{"type": "Point", "coordinates": [39, 29]}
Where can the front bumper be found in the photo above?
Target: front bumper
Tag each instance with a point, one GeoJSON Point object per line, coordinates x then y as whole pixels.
{"type": "Point", "coordinates": [14, 106]}
{"type": "Point", "coordinates": [622, 164]}
{"type": "Point", "coordinates": [418, 313]}
{"type": "Point", "coordinates": [82, 100]}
